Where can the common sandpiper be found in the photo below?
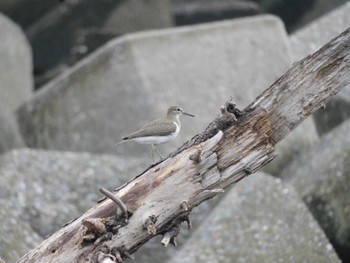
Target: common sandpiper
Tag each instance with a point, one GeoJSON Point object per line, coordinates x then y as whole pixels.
{"type": "Point", "coordinates": [159, 131]}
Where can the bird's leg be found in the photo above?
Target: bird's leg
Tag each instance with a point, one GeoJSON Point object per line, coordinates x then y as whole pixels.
{"type": "Point", "coordinates": [153, 146]}
{"type": "Point", "coordinates": [155, 149]}
{"type": "Point", "coordinates": [161, 157]}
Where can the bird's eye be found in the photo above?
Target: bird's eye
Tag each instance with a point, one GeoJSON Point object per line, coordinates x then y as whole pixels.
{"type": "Point", "coordinates": [178, 109]}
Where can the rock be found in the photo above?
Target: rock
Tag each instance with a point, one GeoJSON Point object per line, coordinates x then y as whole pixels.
{"type": "Point", "coordinates": [201, 11]}
{"type": "Point", "coordinates": [322, 178]}
{"type": "Point", "coordinates": [312, 37]}
{"type": "Point", "coordinates": [65, 28]}
{"type": "Point", "coordinates": [337, 110]}
{"type": "Point", "coordinates": [133, 79]}
{"type": "Point", "coordinates": [138, 15]}
{"type": "Point", "coordinates": [317, 9]}
{"type": "Point", "coordinates": [16, 236]}
{"type": "Point", "coordinates": [74, 29]}
{"type": "Point", "coordinates": [17, 10]}
{"type": "Point", "coordinates": [10, 136]}
{"type": "Point", "coordinates": [309, 38]}
{"type": "Point", "coordinates": [259, 220]}
{"type": "Point", "coordinates": [295, 14]}
{"type": "Point", "coordinates": [48, 189]}
{"type": "Point", "coordinates": [298, 141]}
{"type": "Point", "coordinates": [6, 5]}
{"type": "Point", "coordinates": [15, 66]}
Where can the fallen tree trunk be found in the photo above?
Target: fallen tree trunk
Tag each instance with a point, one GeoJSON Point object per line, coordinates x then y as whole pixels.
{"type": "Point", "coordinates": [236, 144]}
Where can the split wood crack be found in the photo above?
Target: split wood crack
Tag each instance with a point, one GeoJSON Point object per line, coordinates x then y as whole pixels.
{"type": "Point", "coordinates": [236, 144]}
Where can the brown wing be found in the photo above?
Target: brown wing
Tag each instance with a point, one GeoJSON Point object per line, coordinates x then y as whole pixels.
{"type": "Point", "coordinates": [154, 128]}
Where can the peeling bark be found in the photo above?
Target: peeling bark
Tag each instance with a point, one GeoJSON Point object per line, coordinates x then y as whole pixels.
{"type": "Point", "coordinates": [236, 144]}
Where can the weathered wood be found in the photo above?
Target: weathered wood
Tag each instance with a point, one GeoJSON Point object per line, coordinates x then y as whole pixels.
{"type": "Point", "coordinates": [233, 146]}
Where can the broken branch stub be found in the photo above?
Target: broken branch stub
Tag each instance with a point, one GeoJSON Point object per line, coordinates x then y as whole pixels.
{"type": "Point", "coordinates": [234, 145]}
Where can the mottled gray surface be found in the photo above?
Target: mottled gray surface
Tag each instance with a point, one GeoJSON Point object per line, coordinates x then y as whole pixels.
{"type": "Point", "coordinates": [202, 11]}
{"type": "Point", "coordinates": [134, 79]}
{"type": "Point", "coordinates": [10, 136]}
{"type": "Point", "coordinates": [314, 35]}
{"type": "Point", "coordinates": [317, 9]}
{"type": "Point", "coordinates": [138, 15]}
{"type": "Point", "coordinates": [299, 140]}
{"type": "Point", "coordinates": [15, 66]}
{"type": "Point", "coordinates": [322, 177]}
{"type": "Point", "coordinates": [48, 189]}
{"type": "Point", "coordinates": [336, 112]}
{"type": "Point", "coordinates": [259, 220]}
{"type": "Point", "coordinates": [16, 236]}
{"type": "Point", "coordinates": [307, 40]}
{"type": "Point", "coordinates": [8, 4]}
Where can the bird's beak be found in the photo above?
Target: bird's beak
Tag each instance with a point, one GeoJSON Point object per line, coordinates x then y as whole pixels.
{"type": "Point", "coordinates": [188, 114]}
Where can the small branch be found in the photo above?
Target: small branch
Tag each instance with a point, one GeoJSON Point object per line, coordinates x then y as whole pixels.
{"type": "Point", "coordinates": [115, 252]}
{"type": "Point", "coordinates": [170, 236]}
{"type": "Point", "coordinates": [120, 253]}
{"type": "Point", "coordinates": [116, 200]}
{"type": "Point", "coordinates": [104, 237]}
{"type": "Point", "coordinates": [128, 255]}
{"type": "Point", "coordinates": [185, 206]}
{"type": "Point", "coordinates": [186, 209]}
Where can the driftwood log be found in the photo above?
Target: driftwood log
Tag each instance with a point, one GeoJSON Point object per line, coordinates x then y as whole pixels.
{"type": "Point", "coordinates": [236, 144]}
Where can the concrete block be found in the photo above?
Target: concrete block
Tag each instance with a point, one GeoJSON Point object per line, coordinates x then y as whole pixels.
{"type": "Point", "coordinates": [16, 80]}
{"type": "Point", "coordinates": [259, 220]}
{"type": "Point", "coordinates": [133, 79]}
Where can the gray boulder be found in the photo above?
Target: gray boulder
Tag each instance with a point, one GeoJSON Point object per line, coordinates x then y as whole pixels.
{"type": "Point", "coordinates": [10, 136]}
{"type": "Point", "coordinates": [15, 81]}
{"type": "Point", "coordinates": [17, 10]}
{"type": "Point", "coordinates": [200, 11]}
{"type": "Point", "coordinates": [321, 176]}
{"type": "Point", "coordinates": [319, 8]}
{"type": "Point", "coordinates": [259, 220]}
{"type": "Point", "coordinates": [16, 236]}
{"type": "Point", "coordinates": [9, 4]}
{"type": "Point", "coordinates": [15, 66]}
{"type": "Point", "coordinates": [298, 141]}
{"type": "Point", "coordinates": [138, 15]}
{"type": "Point", "coordinates": [133, 79]}
{"type": "Point", "coordinates": [314, 35]}
{"type": "Point", "coordinates": [336, 112]}
{"type": "Point", "coordinates": [298, 13]}
{"type": "Point", "coordinates": [74, 29]}
{"type": "Point", "coordinates": [311, 37]}
{"type": "Point", "coordinates": [47, 189]}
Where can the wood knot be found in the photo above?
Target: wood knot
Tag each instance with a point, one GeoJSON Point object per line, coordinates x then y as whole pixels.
{"type": "Point", "coordinates": [150, 225]}
{"type": "Point", "coordinates": [196, 157]}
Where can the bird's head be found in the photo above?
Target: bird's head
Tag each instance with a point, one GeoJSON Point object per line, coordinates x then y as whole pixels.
{"type": "Point", "coordinates": [176, 111]}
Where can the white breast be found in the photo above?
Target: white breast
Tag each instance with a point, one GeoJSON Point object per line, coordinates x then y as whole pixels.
{"type": "Point", "coordinates": [158, 139]}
